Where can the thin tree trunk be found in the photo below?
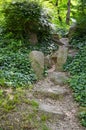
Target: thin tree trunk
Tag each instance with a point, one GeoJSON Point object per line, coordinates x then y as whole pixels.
{"type": "Point", "coordinates": [59, 17]}
{"type": "Point", "coordinates": [68, 13]}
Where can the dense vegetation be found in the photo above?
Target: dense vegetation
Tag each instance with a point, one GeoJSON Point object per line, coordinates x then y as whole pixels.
{"type": "Point", "coordinates": [77, 68]}
{"type": "Point", "coordinates": [22, 19]}
{"type": "Point", "coordinates": [18, 19]}
{"type": "Point", "coordinates": [77, 65]}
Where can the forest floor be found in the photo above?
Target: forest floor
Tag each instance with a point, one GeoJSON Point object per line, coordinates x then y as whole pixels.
{"type": "Point", "coordinates": [46, 106]}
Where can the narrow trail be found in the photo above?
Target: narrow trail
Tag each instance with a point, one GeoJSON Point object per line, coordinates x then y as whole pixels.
{"type": "Point", "coordinates": [57, 102]}
{"type": "Point", "coordinates": [55, 99]}
{"type": "Point", "coordinates": [56, 105]}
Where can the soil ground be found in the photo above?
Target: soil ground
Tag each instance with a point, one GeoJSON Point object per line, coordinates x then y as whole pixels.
{"type": "Point", "coordinates": [46, 106]}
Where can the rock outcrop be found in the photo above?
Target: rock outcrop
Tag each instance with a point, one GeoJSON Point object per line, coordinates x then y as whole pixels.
{"type": "Point", "coordinates": [61, 57]}
{"type": "Point", "coordinates": [37, 63]}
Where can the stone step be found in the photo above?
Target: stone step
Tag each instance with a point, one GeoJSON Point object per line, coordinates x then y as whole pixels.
{"type": "Point", "coordinates": [52, 112]}
{"type": "Point", "coordinates": [58, 117]}
{"type": "Point", "coordinates": [64, 125]}
{"type": "Point", "coordinates": [53, 92]}
{"type": "Point", "coordinates": [58, 78]}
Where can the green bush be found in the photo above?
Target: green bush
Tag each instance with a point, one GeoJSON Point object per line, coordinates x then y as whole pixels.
{"type": "Point", "coordinates": [80, 17]}
{"type": "Point", "coordinates": [23, 18]}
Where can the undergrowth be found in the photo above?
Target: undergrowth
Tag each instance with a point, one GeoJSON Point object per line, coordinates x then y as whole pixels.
{"type": "Point", "coordinates": [15, 69]}
{"type": "Point", "coordinates": [20, 20]}
{"type": "Point", "coordinates": [77, 68]}
{"type": "Point", "coordinates": [13, 102]}
{"type": "Point", "coordinates": [15, 66]}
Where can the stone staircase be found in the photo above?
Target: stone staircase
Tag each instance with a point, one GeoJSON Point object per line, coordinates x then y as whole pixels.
{"type": "Point", "coordinates": [55, 98]}
{"type": "Point", "coordinates": [56, 101]}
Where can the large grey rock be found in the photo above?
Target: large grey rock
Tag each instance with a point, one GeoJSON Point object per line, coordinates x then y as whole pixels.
{"type": "Point", "coordinates": [37, 63]}
{"type": "Point", "coordinates": [59, 57]}
{"type": "Point", "coordinates": [58, 78]}
{"type": "Point", "coordinates": [62, 54]}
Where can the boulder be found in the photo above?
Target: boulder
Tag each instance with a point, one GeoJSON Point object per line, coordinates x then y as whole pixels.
{"type": "Point", "coordinates": [58, 78]}
{"type": "Point", "coordinates": [37, 63]}
{"type": "Point", "coordinates": [57, 58]}
{"type": "Point", "coordinates": [61, 57]}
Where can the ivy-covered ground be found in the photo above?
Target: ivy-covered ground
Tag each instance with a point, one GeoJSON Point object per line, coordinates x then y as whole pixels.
{"type": "Point", "coordinates": [24, 18]}
{"type": "Point", "coordinates": [16, 76]}
{"type": "Point", "coordinates": [77, 68]}
{"type": "Point", "coordinates": [15, 66]}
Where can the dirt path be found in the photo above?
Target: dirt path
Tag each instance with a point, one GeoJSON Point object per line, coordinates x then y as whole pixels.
{"type": "Point", "coordinates": [50, 102]}
{"type": "Point", "coordinates": [47, 104]}
{"type": "Point", "coordinates": [57, 102]}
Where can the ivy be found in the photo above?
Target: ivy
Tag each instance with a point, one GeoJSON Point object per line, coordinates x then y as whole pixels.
{"type": "Point", "coordinates": [15, 70]}
{"type": "Point", "coordinates": [77, 68]}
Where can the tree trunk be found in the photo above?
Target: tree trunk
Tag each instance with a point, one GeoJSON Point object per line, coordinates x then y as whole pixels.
{"type": "Point", "coordinates": [68, 13]}
{"type": "Point", "coordinates": [59, 17]}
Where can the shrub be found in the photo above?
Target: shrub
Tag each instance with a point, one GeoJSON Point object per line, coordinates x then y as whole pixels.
{"type": "Point", "coordinates": [23, 18]}
{"type": "Point", "coordinates": [80, 17]}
